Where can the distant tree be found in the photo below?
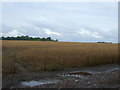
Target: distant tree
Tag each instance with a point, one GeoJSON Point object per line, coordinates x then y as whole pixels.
{"type": "Point", "coordinates": [8, 38]}
{"type": "Point", "coordinates": [56, 40]}
{"type": "Point", "coordinates": [100, 42]}
{"type": "Point", "coordinates": [28, 38]}
{"type": "Point", "coordinates": [49, 39]}
{"type": "Point", "coordinates": [43, 39]}
{"type": "Point", "coordinates": [105, 42]}
{"type": "Point", "coordinates": [2, 38]}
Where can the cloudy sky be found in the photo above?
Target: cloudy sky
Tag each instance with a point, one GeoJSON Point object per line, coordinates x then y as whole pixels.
{"type": "Point", "coordinates": [67, 21]}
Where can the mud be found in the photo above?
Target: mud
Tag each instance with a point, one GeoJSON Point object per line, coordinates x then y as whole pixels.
{"type": "Point", "coordinates": [103, 76]}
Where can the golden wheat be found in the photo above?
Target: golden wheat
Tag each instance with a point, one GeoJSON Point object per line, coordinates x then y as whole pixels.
{"type": "Point", "coordinates": [44, 55]}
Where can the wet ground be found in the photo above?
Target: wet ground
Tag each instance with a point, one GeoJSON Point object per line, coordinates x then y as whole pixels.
{"type": "Point", "coordinates": [103, 76]}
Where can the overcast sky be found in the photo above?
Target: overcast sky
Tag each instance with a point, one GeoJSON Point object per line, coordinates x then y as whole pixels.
{"type": "Point", "coordinates": [73, 22]}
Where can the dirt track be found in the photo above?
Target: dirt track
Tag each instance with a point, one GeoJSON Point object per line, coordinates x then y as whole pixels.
{"type": "Point", "coordinates": [104, 76]}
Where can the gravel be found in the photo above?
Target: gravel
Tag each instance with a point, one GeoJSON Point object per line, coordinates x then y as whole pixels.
{"type": "Point", "coordinates": [104, 77]}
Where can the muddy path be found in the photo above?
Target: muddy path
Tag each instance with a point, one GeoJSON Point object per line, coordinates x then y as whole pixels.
{"type": "Point", "coordinates": [103, 76]}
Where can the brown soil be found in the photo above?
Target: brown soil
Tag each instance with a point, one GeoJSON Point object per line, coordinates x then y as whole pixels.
{"type": "Point", "coordinates": [105, 76]}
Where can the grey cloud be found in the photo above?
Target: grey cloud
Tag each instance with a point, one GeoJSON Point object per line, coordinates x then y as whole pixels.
{"type": "Point", "coordinates": [6, 28]}
{"type": "Point", "coordinates": [63, 20]}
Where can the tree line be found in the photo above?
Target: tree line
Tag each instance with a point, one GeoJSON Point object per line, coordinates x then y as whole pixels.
{"type": "Point", "coordinates": [105, 42]}
{"type": "Point", "coordinates": [28, 38]}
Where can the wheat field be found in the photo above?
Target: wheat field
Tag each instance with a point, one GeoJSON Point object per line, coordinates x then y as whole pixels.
{"type": "Point", "coordinates": [51, 56]}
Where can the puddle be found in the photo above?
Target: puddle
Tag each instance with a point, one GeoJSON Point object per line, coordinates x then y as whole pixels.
{"type": "Point", "coordinates": [77, 74]}
{"type": "Point", "coordinates": [80, 74]}
{"type": "Point", "coordinates": [37, 83]}
{"type": "Point", "coordinates": [84, 73]}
